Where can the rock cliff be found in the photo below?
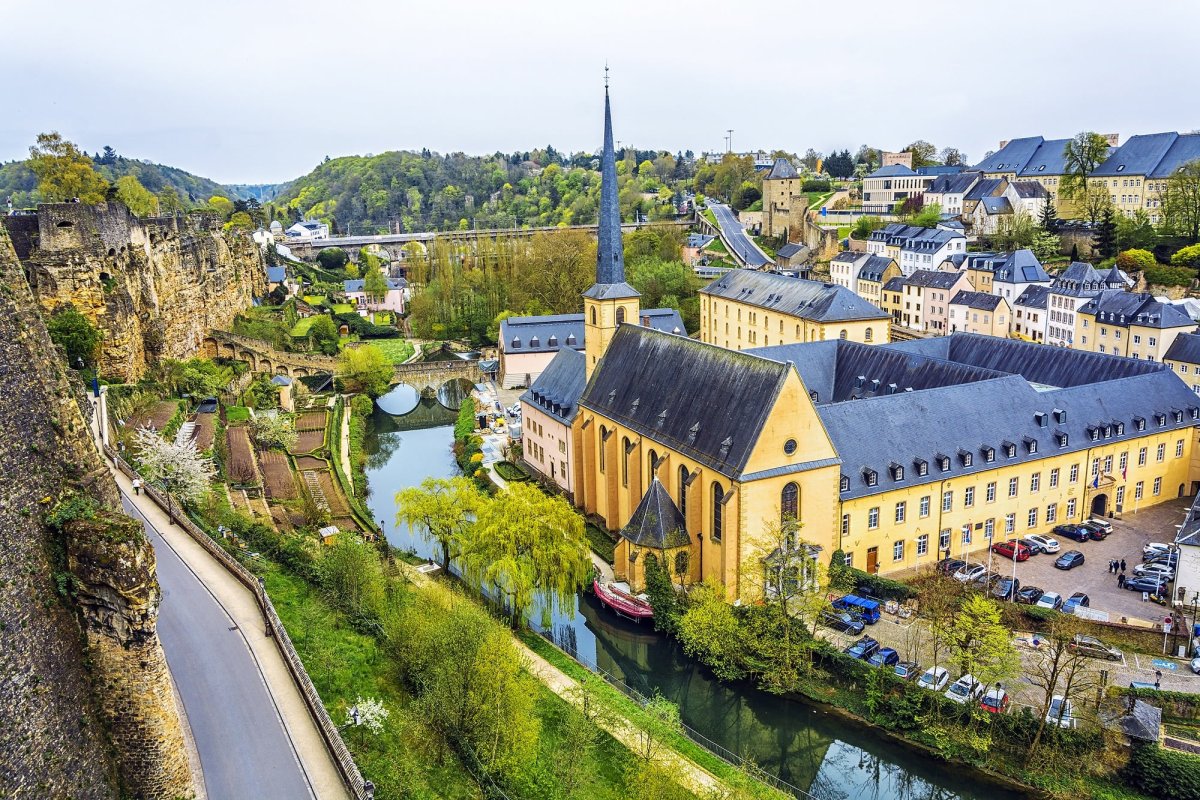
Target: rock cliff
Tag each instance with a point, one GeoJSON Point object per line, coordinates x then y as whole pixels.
{"type": "Point", "coordinates": [155, 285]}
{"type": "Point", "coordinates": [85, 710]}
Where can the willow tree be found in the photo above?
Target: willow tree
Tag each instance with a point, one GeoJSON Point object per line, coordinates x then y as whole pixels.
{"type": "Point", "coordinates": [527, 545]}
{"type": "Point", "coordinates": [441, 510]}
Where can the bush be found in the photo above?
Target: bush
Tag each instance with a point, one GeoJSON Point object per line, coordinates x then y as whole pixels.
{"type": "Point", "coordinates": [871, 585]}
{"type": "Point", "coordinates": [1187, 257]}
{"type": "Point", "coordinates": [1164, 774]}
{"type": "Point", "coordinates": [1133, 260]}
{"type": "Point", "coordinates": [510, 471]}
{"type": "Point", "coordinates": [1169, 276]}
{"type": "Point", "coordinates": [332, 258]}
{"type": "Point", "coordinates": [816, 185]}
{"type": "Point", "coordinates": [365, 328]}
{"type": "Point", "coordinates": [600, 542]}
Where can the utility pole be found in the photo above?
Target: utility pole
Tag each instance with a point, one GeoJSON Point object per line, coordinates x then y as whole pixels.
{"type": "Point", "coordinates": [729, 141]}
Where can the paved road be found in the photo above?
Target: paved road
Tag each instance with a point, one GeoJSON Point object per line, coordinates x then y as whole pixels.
{"type": "Point", "coordinates": [735, 236]}
{"type": "Point", "coordinates": [244, 749]}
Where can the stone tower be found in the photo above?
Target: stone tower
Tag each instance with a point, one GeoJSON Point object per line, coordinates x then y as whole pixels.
{"type": "Point", "coordinates": [610, 301]}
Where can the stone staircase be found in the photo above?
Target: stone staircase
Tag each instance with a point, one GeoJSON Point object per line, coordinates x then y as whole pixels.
{"type": "Point", "coordinates": [187, 432]}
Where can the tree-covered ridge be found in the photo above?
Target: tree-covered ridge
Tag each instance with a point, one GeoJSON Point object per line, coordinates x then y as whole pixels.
{"type": "Point", "coordinates": [430, 191]}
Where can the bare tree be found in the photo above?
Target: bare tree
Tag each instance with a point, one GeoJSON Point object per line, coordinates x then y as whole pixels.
{"type": "Point", "coordinates": [1094, 201]}
{"type": "Point", "coordinates": [1180, 201]}
{"type": "Point", "coordinates": [1060, 667]}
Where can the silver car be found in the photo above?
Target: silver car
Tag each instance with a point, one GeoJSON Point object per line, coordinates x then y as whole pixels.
{"type": "Point", "coordinates": [969, 572]}
{"type": "Point", "coordinates": [1047, 543]}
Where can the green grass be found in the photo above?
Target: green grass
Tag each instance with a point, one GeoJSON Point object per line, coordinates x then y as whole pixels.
{"type": "Point", "coordinates": [709, 215]}
{"type": "Point", "coordinates": [237, 414]}
{"type": "Point", "coordinates": [398, 350]}
{"type": "Point", "coordinates": [843, 231]}
{"type": "Point", "coordinates": [315, 299]}
{"type": "Point", "coordinates": [766, 248]}
{"type": "Point", "coordinates": [300, 329]}
{"type": "Point", "coordinates": [600, 542]}
{"type": "Point", "coordinates": [716, 246]}
{"type": "Point", "coordinates": [510, 471]}
{"type": "Point", "coordinates": [342, 308]}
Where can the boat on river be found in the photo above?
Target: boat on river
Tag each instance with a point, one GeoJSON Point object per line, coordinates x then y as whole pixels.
{"type": "Point", "coordinates": [617, 596]}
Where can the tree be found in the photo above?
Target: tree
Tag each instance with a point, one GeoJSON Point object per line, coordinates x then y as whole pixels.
{"type": "Point", "coordinates": [938, 604]}
{"type": "Point", "coordinates": [179, 467]}
{"type": "Point", "coordinates": [63, 172]}
{"type": "Point", "coordinates": [1136, 232]}
{"type": "Point", "coordinates": [273, 432]}
{"type": "Point", "coordinates": [352, 575]}
{"type": "Point", "coordinates": [928, 216]}
{"type": "Point", "coordinates": [1106, 234]}
{"type": "Point", "coordinates": [365, 369]}
{"type": "Point", "coordinates": [1081, 156]}
{"type": "Point", "coordinates": [1047, 219]}
{"type": "Point", "coordinates": [76, 335]}
{"type": "Point", "coordinates": [1045, 245]}
{"type": "Point", "coordinates": [323, 335]}
{"type": "Point", "coordinates": [1094, 201]}
{"type": "Point", "coordinates": [108, 157]}
{"type": "Point", "coordinates": [953, 157]}
{"type": "Point", "coordinates": [1187, 256]}
{"type": "Point", "coordinates": [240, 220]}
{"type": "Point", "coordinates": [1180, 202]}
{"type": "Point", "coordinates": [527, 545]}
{"type": "Point", "coordinates": [658, 722]}
{"type": "Point", "coordinates": [709, 631]}
{"type": "Point", "coordinates": [222, 206]}
{"type": "Point", "coordinates": [811, 157]}
{"type": "Point", "coordinates": [369, 713]}
{"type": "Point", "coordinates": [981, 643]}
{"type": "Point", "coordinates": [1136, 260]}
{"type": "Point", "coordinates": [375, 284]}
{"type": "Point", "coordinates": [140, 200]}
{"type": "Point", "coordinates": [865, 226]}
{"type": "Point", "coordinates": [441, 510]}
{"type": "Point", "coordinates": [1060, 671]}
{"type": "Point", "coordinates": [1015, 232]}
{"type": "Point", "coordinates": [924, 153]}
{"type": "Point", "coordinates": [332, 258]}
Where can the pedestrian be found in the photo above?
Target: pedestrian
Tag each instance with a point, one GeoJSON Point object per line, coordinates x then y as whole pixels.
{"type": "Point", "coordinates": [137, 486]}
{"type": "Point", "coordinates": [1157, 679]}
{"type": "Point", "coordinates": [1122, 565]}
{"type": "Point", "coordinates": [1112, 567]}
{"type": "Point", "coordinates": [1121, 581]}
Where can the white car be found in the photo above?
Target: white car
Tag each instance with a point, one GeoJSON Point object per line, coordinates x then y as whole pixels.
{"type": "Point", "coordinates": [1156, 548]}
{"type": "Point", "coordinates": [969, 572]}
{"type": "Point", "coordinates": [1061, 712]}
{"type": "Point", "coordinates": [1157, 570]}
{"type": "Point", "coordinates": [1052, 600]}
{"type": "Point", "coordinates": [1102, 524]}
{"type": "Point", "coordinates": [934, 678]}
{"type": "Point", "coordinates": [964, 690]}
{"type": "Point", "coordinates": [1049, 544]}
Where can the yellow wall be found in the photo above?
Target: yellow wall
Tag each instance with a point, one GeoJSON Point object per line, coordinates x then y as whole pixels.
{"type": "Point", "coordinates": [1133, 340]}
{"type": "Point", "coordinates": [737, 326]}
{"type": "Point", "coordinates": [600, 320]}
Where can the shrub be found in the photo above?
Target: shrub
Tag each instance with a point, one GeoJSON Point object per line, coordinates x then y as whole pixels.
{"type": "Point", "coordinates": [1187, 257]}
{"type": "Point", "coordinates": [816, 185]}
{"type": "Point", "coordinates": [506, 469]}
{"type": "Point", "coordinates": [1169, 276]}
{"type": "Point", "coordinates": [1164, 774]}
{"type": "Point", "coordinates": [1132, 260]}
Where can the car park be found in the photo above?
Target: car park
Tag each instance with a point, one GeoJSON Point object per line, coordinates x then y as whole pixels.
{"type": "Point", "coordinates": [1052, 600]}
{"type": "Point", "coordinates": [864, 648]}
{"type": "Point", "coordinates": [1075, 601]}
{"type": "Point", "coordinates": [1035, 548]}
{"type": "Point", "coordinates": [1091, 646]}
{"type": "Point", "coordinates": [970, 572]}
{"type": "Point", "coordinates": [1048, 543]}
{"type": "Point", "coordinates": [934, 678]}
{"type": "Point", "coordinates": [1061, 712]}
{"type": "Point", "coordinates": [1012, 550]}
{"type": "Point", "coordinates": [1156, 548]}
{"type": "Point", "coordinates": [1069, 560]}
{"type": "Point", "coordinates": [1006, 588]}
{"type": "Point", "coordinates": [996, 701]}
{"type": "Point", "coordinates": [865, 609]}
{"type": "Point", "coordinates": [1097, 529]}
{"type": "Point", "coordinates": [949, 566]}
{"type": "Point", "coordinates": [1075, 533]}
{"type": "Point", "coordinates": [1146, 583]}
{"type": "Point", "coordinates": [1029, 595]}
{"type": "Point", "coordinates": [964, 690]}
{"type": "Point", "coordinates": [1161, 570]}
{"type": "Point", "coordinates": [884, 657]}
{"type": "Point", "coordinates": [841, 621]}
{"type": "Point", "coordinates": [1170, 559]}
{"type": "Point", "coordinates": [907, 670]}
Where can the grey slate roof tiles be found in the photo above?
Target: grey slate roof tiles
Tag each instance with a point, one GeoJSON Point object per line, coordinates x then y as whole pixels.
{"type": "Point", "coordinates": [931, 279]}
{"type": "Point", "coordinates": [782, 169]}
{"type": "Point", "coordinates": [873, 268]}
{"type": "Point", "coordinates": [1122, 309]}
{"type": "Point", "coordinates": [1034, 297]}
{"type": "Point", "coordinates": [1138, 156]}
{"type": "Point", "coordinates": [657, 522]}
{"type": "Point", "coordinates": [1013, 157]}
{"type": "Point", "coordinates": [813, 300]}
{"type": "Point", "coordinates": [977, 300]}
{"type": "Point", "coordinates": [548, 333]}
{"type": "Point", "coordinates": [1047, 159]}
{"type": "Point", "coordinates": [1186, 347]}
{"type": "Point", "coordinates": [556, 391]}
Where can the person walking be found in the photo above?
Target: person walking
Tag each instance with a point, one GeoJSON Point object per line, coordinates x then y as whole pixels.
{"type": "Point", "coordinates": [1157, 679]}
{"type": "Point", "coordinates": [1122, 565]}
{"type": "Point", "coordinates": [137, 486]}
{"type": "Point", "coordinates": [1121, 581]}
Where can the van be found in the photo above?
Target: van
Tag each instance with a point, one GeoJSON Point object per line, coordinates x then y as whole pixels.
{"type": "Point", "coordinates": [868, 610]}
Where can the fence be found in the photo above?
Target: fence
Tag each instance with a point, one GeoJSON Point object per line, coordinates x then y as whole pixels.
{"type": "Point", "coordinates": [359, 788]}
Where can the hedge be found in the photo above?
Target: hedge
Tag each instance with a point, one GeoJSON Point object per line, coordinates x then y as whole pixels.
{"type": "Point", "coordinates": [510, 471]}
{"type": "Point", "coordinates": [365, 328]}
{"type": "Point", "coordinates": [1164, 774]}
{"type": "Point", "coordinates": [1179, 705]}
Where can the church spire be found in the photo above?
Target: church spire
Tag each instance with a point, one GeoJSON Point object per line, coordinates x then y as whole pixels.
{"type": "Point", "coordinates": [610, 258]}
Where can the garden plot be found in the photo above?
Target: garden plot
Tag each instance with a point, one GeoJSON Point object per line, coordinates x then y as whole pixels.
{"type": "Point", "coordinates": [311, 421]}
{"type": "Point", "coordinates": [277, 475]}
{"type": "Point", "coordinates": [241, 468]}
{"type": "Point", "coordinates": [308, 441]}
{"type": "Point", "coordinates": [205, 428]}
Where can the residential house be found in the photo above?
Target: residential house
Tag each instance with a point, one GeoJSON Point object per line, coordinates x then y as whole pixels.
{"type": "Point", "coordinates": [979, 312]}
{"type": "Point", "coordinates": [1072, 288]}
{"type": "Point", "coordinates": [310, 229]}
{"type": "Point", "coordinates": [927, 296]}
{"type": "Point", "coordinates": [1133, 324]}
{"type": "Point", "coordinates": [844, 268]}
{"type": "Point", "coordinates": [1034, 158]}
{"type": "Point", "coordinates": [892, 184]}
{"type": "Point", "coordinates": [914, 247]}
{"type": "Point", "coordinates": [794, 258]}
{"type": "Point", "coordinates": [984, 187]}
{"type": "Point", "coordinates": [1030, 315]}
{"type": "Point", "coordinates": [276, 276]}
{"type": "Point", "coordinates": [1014, 271]}
{"type": "Point", "coordinates": [948, 191]}
{"type": "Point", "coordinates": [548, 409]}
{"type": "Point", "coordinates": [780, 186]}
{"type": "Point", "coordinates": [392, 299]}
{"type": "Point", "coordinates": [989, 215]}
{"type": "Point", "coordinates": [1187, 570]}
{"type": "Point", "coordinates": [1183, 356]}
{"type": "Point", "coordinates": [874, 273]}
{"type": "Point", "coordinates": [692, 246]}
{"type": "Point", "coordinates": [892, 298]}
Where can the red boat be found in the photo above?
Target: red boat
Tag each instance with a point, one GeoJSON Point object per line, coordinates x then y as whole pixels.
{"type": "Point", "coordinates": [618, 597]}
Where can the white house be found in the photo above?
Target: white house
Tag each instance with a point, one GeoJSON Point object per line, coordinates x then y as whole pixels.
{"type": "Point", "coordinates": [1029, 313]}
{"type": "Point", "coordinates": [1073, 287]}
{"type": "Point", "coordinates": [1014, 272]}
{"type": "Point", "coordinates": [948, 191]}
{"type": "Point", "coordinates": [308, 229]}
{"type": "Point", "coordinates": [914, 247]}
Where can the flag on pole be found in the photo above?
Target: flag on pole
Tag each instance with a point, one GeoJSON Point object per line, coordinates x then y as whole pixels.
{"type": "Point", "coordinates": [1123, 471]}
{"type": "Point", "coordinates": [1096, 482]}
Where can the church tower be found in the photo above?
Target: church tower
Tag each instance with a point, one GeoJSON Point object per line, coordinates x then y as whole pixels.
{"type": "Point", "coordinates": [610, 301]}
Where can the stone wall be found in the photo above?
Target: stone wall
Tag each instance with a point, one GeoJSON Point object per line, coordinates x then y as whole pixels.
{"type": "Point", "coordinates": [55, 735]}
{"type": "Point", "coordinates": [155, 285]}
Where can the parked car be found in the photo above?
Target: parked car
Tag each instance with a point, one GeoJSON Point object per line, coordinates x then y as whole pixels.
{"type": "Point", "coordinates": [1061, 712]}
{"type": "Point", "coordinates": [969, 572]}
{"type": "Point", "coordinates": [884, 657]}
{"type": "Point", "coordinates": [907, 670]}
{"type": "Point", "coordinates": [1170, 559]}
{"type": "Point", "coordinates": [1156, 548]}
{"type": "Point", "coordinates": [1006, 588]}
{"type": "Point", "coordinates": [865, 609]}
{"type": "Point", "coordinates": [934, 678]}
{"type": "Point", "coordinates": [1146, 583]}
{"type": "Point", "coordinates": [1075, 533]}
{"type": "Point", "coordinates": [1161, 570]}
{"type": "Point", "coordinates": [964, 689]}
{"type": "Point", "coordinates": [949, 566]}
{"type": "Point", "coordinates": [1049, 544]}
{"type": "Point", "coordinates": [1029, 595]}
{"type": "Point", "coordinates": [1012, 549]}
{"type": "Point", "coordinates": [1050, 600]}
{"type": "Point", "coordinates": [996, 701]}
{"type": "Point", "coordinates": [1035, 548]}
{"type": "Point", "coordinates": [1074, 601]}
{"type": "Point", "coordinates": [864, 648]}
{"type": "Point", "coordinates": [1195, 665]}
{"type": "Point", "coordinates": [1069, 560]}
{"type": "Point", "coordinates": [1091, 646]}
{"type": "Point", "coordinates": [841, 621]}
{"type": "Point", "coordinates": [1097, 524]}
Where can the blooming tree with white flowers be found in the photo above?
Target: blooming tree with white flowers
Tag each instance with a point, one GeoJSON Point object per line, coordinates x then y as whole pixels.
{"type": "Point", "coordinates": [180, 467]}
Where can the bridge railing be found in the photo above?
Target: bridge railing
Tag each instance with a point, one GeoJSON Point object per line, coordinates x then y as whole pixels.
{"type": "Point", "coordinates": [359, 788]}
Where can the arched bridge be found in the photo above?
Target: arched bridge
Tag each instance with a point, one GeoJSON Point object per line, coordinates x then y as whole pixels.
{"type": "Point", "coordinates": [427, 377]}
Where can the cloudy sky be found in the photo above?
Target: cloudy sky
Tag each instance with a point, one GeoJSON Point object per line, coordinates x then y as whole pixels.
{"type": "Point", "coordinates": [254, 91]}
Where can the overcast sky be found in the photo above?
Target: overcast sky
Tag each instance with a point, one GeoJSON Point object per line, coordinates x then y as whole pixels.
{"type": "Point", "coordinates": [249, 91]}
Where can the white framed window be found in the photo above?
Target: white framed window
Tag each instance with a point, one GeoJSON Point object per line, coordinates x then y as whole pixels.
{"type": "Point", "coordinates": [873, 518]}
{"type": "Point", "coordinates": [989, 528]}
{"type": "Point", "coordinates": [1012, 487]}
{"type": "Point", "coordinates": [1073, 475]}
{"type": "Point", "coordinates": [1071, 508]}
{"type": "Point", "coordinates": [1137, 490]}
{"type": "Point", "coordinates": [1010, 523]}
{"type": "Point", "coordinates": [1161, 453]}
{"type": "Point", "coordinates": [1120, 497]}
{"type": "Point", "coordinates": [991, 492]}
{"type": "Point", "coordinates": [1179, 449]}
{"type": "Point", "coordinates": [966, 534]}
{"type": "Point", "coordinates": [1095, 467]}
{"type": "Point", "coordinates": [1035, 482]}
{"type": "Point", "coordinates": [1123, 461]}
{"type": "Point", "coordinates": [1142, 457]}
{"type": "Point", "coordinates": [944, 539]}
{"type": "Point", "coordinates": [922, 544]}
{"type": "Point", "coordinates": [1157, 486]}
{"type": "Point", "coordinates": [947, 500]}
{"type": "Point", "coordinates": [924, 506]}
{"type": "Point", "coordinates": [901, 508]}
{"type": "Point", "coordinates": [898, 550]}
{"type": "Point", "coordinates": [1054, 478]}
{"type": "Point", "coordinates": [1051, 513]}
{"type": "Point", "coordinates": [1033, 517]}
{"type": "Point", "coordinates": [845, 524]}
{"type": "Point", "coordinates": [969, 496]}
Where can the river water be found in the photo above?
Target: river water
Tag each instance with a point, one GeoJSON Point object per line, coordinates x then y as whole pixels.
{"type": "Point", "coordinates": [826, 756]}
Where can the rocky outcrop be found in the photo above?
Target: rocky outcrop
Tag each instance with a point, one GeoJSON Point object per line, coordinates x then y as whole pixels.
{"type": "Point", "coordinates": [78, 648]}
{"type": "Point", "coordinates": [155, 285]}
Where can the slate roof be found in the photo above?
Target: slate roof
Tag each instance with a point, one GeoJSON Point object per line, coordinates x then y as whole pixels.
{"type": "Point", "coordinates": [896, 284]}
{"type": "Point", "coordinates": [1138, 156]}
{"type": "Point", "coordinates": [553, 331]}
{"type": "Point", "coordinates": [1186, 347]}
{"type": "Point", "coordinates": [893, 171]}
{"type": "Point", "coordinates": [1034, 296]}
{"type": "Point", "coordinates": [1028, 189]}
{"type": "Point", "coordinates": [1143, 722]}
{"type": "Point", "coordinates": [953, 184]}
{"type": "Point", "coordinates": [873, 268]}
{"type": "Point", "coordinates": [984, 188]}
{"type": "Point", "coordinates": [977, 300]}
{"type": "Point", "coordinates": [781, 169]}
{"type": "Point", "coordinates": [657, 522]}
{"type": "Point", "coordinates": [556, 391]}
{"type": "Point", "coordinates": [357, 284]}
{"type": "Point", "coordinates": [1047, 159]}
{"type": "Point", "coordinates": [699, 240]}
{"type": "Point", "coordinates": [706, 402]}
{"type": "Point", "coordinates": [1122, 309]}
{"type": "Point", "coordinates": [789, 250]}
{"type": "Point", "coordinates": [1019, 266]}
{"type": "Point", "coordinates": [823, 302]}
{"type": "Point", "coordinates": [929, 279]}
{"type": "Point", "coordinates": [610, 255]}
{"type": "Point", "coordinates": [1083, 280]}
{"type": "Point", "coordinates": [1185, 149]}
{"type": "Point", "coordinates": [848, 256]}
{"type": "Point", "coordinates": [276, 274]}
{"type": "Point", "coordinates": [1013, 156]}
{"type": "Point", "coordinates": [1189, 534]}
{"type": "Point", "coordinates": [996, 205]}
{"type": "Point", "coordinates": [939, 169]}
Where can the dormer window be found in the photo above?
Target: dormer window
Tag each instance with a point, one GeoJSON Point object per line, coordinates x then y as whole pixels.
{"type": "Point", "coordinates": [989, 454]}
{"type": "Point", "coordinates": [1060, 416]}
{"type": "Point", "coordinates": [1177, 415]}
{"type": "Point", "coordinates": [552, 341]}
{"type": "Point", "coordinates": [1194, 412]}
{"type": "Point", "coordinates": [845, 484]}
{"type": "Point", "coordinates": [1062, 438]}
{"type": "Point", "coordinates": [1119, 428]}
{"type": "Point", "coordinates": [1107, 431]}
{"type": "Point", "coordinates": [1093, 433]}
{"type": "Point", "coordinates": [965, 457]}
{"type": "Point", "coordinates": [571, 340]}
{"type": "Point", "coordinates": [1031, 444]}
{"type": "Point", "coordinates": [897, 472]}
{"type": "Point", "coordinates": [1040, 419]}
{"type": "Point", "coordinates": [943, 462]}
{"type": "Point", "coordinates": [515, 343]}
{"type": "Point", "coordinates": [1161, 419]}
{"type": "Point", "coordinates": [871, 477]}
{"type": "Point", "coordinates": [1139, 423]}
{"type": "Point", "coordinates": [922, 467]}
{"type": "Point", "coordinates": [534, 342]}
{"type": "Point", "coordinates": [1010, 450]}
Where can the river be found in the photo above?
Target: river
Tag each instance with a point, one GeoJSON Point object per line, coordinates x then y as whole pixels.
{"type": "Point", "coordinates": [825, 755]}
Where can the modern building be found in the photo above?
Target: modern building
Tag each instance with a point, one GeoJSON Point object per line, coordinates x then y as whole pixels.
{"type": "Point", "coordinates": [1183, 356]}
{"type": "Point", "coordinates": [1133, 324]}
{"type": "Point", "coordinates": [892, 184]}
{"type": "Point", "coordinates": [745, 308]}
{"type": "Point", "coordinates": [1072, 288]}
{"type": "Point", "coordinates": [979, 312]}
{"type": "Point", "coordinates": [309, 229]}
{"type": "Point", "coordinates": [780, 186]}
{"type": "Point", "coordinates": [391, 300]}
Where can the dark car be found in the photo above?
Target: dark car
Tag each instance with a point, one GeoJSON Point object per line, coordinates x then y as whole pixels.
{"type": "Point", "coordinates": [1005, 588]}
{"type": "Point", "coordinates": [1069, 560]}
{"type": "Point", "coordinates": [1169, 559]}
{"type": "Point", "coordinates": [1012, 550]}
{"type": "Point", "coordinates": [907, 670]}
{"type": "Point", "coordinates": [864, 648]}
{"type": "Point", "coordinates": [949, 566]}
{"type": "Point", "coordinates": [1035, 547]}
{"type": "Point", "coordinates": [842, 621]}
{"type": "Point", "coordinates": [1029, 595]}
{"type": "Point", "coordinates": [1076, 533]}
{"type": "Point", "coordinates": [1076, 600]}
{"type": "Point", "coordinates": [884, 657]}
{"type": "Point", "coordinates": [1145, 583]}
{"type": "Point", "coordinates": [1096, 530]}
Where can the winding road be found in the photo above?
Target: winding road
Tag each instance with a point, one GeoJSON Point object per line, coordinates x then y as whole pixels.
{"type": "Point", "coordinates": [734, 236]}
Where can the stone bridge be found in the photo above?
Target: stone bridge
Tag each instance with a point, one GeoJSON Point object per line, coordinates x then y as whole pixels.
{"type": "Point", "coordinates": [427, 377]}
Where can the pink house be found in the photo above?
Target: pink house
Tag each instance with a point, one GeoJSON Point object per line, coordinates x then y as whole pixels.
{"type": "Point", "coordinates": [393, 300]}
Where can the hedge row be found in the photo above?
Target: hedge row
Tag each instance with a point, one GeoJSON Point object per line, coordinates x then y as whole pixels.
{"type": "Point", "coordinates": [1164, 774]}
